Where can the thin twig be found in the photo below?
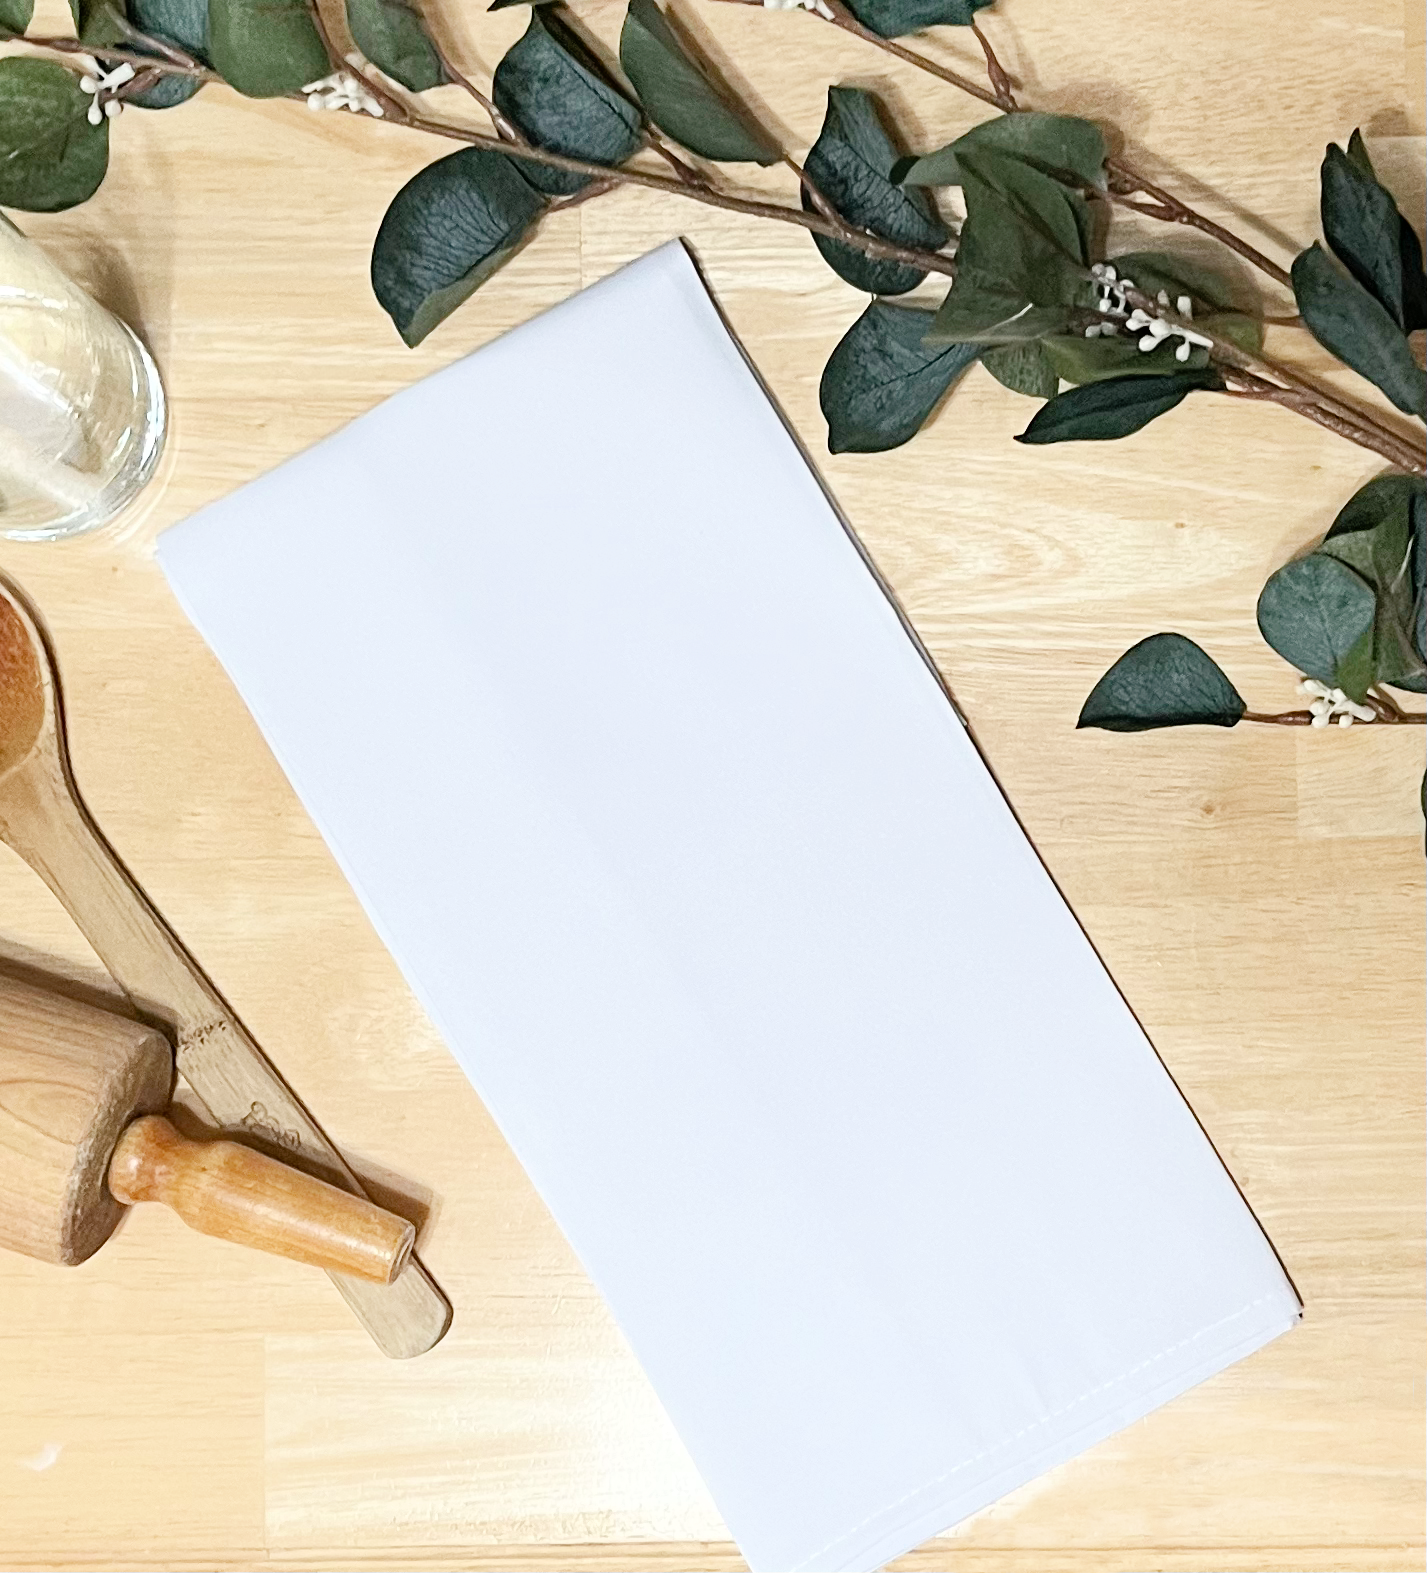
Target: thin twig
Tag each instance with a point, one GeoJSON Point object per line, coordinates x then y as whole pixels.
{"type": "Point", "coordinates": [1171, 210]}
{"type": "Point", "coordinates": [596, 188]}
{"type": "Point", "coordinates": [1000, 82]}
{"type": "Point", "coordinates": [72, 46]}
{"type": "Point", "coordinates": [686, 172]}
{"type": "Point", "coordinates": [505, 127]}
{"type": "Point", "coordinates": [1380, 700]}
{"type": "Point", "coordinates": [1306, 717]}
{"type": "Point", "coordinates": [1264, 378]}
{"type": "Point", "coordinates": [815, 195]}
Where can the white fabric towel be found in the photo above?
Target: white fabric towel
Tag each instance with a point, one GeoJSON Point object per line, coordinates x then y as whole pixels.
{"type": "Point", "coordinates": [678, 838]}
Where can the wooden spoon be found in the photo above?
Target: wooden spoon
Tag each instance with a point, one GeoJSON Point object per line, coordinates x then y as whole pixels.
{"type": "Point", "coordinates": [43, 817]}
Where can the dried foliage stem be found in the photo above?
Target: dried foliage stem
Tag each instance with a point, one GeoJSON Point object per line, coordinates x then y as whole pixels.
{"type": "Point", "coordinates": [72, 46]}
{"type": "Point", "coordinates": [1249, 376]}
{"type": "Point", "coordinates": [1392, 717]}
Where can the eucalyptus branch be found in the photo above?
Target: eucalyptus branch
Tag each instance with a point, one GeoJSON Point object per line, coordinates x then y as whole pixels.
{"type": "Point", "coordinates": [1000, 96]}
{"type": "Point", "coordinates": [1264, 378]}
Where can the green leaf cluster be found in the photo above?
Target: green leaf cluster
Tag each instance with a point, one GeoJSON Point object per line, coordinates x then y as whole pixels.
{"type": "Point", "coordinates": [1351, 612]}
{"type": "Point", "coordinates": [1024, 254]}
{"type": "Point", "coordinates": [1364, 314]}
{"type": "Point", "coordinates": [456, 222]}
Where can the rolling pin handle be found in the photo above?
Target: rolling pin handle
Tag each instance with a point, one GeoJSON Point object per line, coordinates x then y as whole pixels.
{"type": "Point", "coordinates": [231, 1192]}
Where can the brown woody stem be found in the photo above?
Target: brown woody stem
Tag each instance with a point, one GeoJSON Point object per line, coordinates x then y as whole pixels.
{"type": "Point", "coordinates": [1389, 717]}
{"type": "Point", "coordinates": [72, 46]}
{"type": "Point", "coordinates": [1126, 181]}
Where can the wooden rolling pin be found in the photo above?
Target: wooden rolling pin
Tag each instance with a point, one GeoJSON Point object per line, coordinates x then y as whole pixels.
{"type": "Point", "coordinates": [82, 1135]}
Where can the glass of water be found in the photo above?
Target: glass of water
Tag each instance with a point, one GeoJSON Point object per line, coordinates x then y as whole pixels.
{"type": "Point", "coordinates": [81, 404]}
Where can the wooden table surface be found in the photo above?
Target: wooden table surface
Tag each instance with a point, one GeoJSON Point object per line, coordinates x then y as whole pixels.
{"type": "Point", "coordinates": [1258, 895]}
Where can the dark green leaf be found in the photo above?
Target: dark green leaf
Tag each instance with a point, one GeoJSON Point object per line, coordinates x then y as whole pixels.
{"type": "Point", "coordinates": [851, 164]}
{"type": "Point", "coordinates": [1063, 146]}
{"type": "Point", "coordinates": [1023, 368]}
{"type": "Point", "coordinates": [1020, 263]}
{"type": "Point", "coordinates": [98, 21]}
{"type": "Point", "coordinates": [985, 310]}
{"type": "Point", "coordinates": [447, 230]}
{"type": "Point", "coordinates": [180, 22]}
{"type": "Point", "coordinates": [1345, 319]}
{"type": "Point", "coordinates": [50, 156]}
{"type": "Point", "coordinates": [1054, 216]}
{"type": "Point", "coordinates": [1319, 615]}
{"type": "Point", "coordinates": [1102, 410]}
{"type": "Point", "coordinates": [394, 38]}
{"type": "Point", "coordinates": [1082, 360]}
{"type": "Point", "coordinates": [931, 169]}
{"type": "Point", "coordinates": [15, 15]}
{"type": "Point", "coordinates": [552, 87]}
{"type": "Point", "coordinates": [1165, 680]}
{"type": "Point", "coordinates": [1362, 224]}
{"type": "Point", "coordinates": [892, 18]}
{"type": "Point", "coordinates": [265, 48]}
{"type": "Point", "coordinates": [1358, 152]}
{"type": "Point", "coordinates": [881, 382]}
{"type": "Point", "coordinates": [682, 97]}
{"type": "Point", "coordinates": [1373, 535]}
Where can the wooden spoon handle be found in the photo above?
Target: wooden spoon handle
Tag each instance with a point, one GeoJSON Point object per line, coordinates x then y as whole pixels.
{"type": "Point", "coordinates": [44, 818]}
{"type": "Point", "coordinates": [223, 1189]}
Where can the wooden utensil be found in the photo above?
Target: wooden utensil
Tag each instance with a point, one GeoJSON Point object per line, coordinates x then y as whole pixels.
{"type": "Point", "coordinates": [81, 1133]}
{"type": "Point", "coordinates": [43, 817]}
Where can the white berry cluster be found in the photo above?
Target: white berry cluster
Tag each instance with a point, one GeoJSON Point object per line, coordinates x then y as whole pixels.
{"type": "Point", "coordinates": [1116, 312]}
{"type": "Point", "coordinates": [1332, 704]}
{"type": "Point", "coordinates": [342, 90]}
{"type": "Point", "coordinates": [101, 86]}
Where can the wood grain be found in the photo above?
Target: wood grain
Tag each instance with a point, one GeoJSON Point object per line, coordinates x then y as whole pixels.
{"type": "Point", "coordinates": [1258, 894]}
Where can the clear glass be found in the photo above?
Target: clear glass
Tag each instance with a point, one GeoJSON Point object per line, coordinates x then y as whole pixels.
{"type": "Point", "coordinates": [81, 404]}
